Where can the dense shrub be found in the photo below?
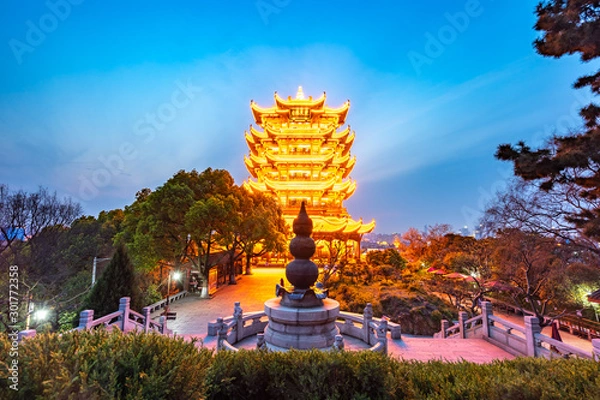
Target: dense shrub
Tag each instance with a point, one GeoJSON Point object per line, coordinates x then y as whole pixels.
{"type": "Point", "coordinates": [315, 375]}
{"type": "Point", "coordinates": [101, 365]}
{"type": "Point", "coordinates": [418, 312]}
{"type": "Point", "coordinates": [522, 378]}
{"type": "Point", "coordinates": [299, 375]}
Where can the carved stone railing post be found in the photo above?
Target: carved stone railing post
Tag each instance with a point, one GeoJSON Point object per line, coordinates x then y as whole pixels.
{"type": "Point", "coordinates": [532, 328]}
{"type": "Point", "coordinates": [146, 313]}
{"type": "Point", "coordinates": [339, 343]}
{"type": "Point", "coordinates": [462, 317]}
{"type": "Point", "coordinates": [486, 311]}
{"type": "Point", "coordinates": [382, 333]}
{"type": "Point", "coordinates": [445, 326]}
{"type": "Point", "coordinates": [238, 315]}
{"type": "Point", "coordinates": [367, 319]}
{"type": "Point", "coordinates": [222, 333]}
{"type": "Point", "coordinates": [596, 349]}
{"type": "Point", "coordinates": [29, 333]}
{"type": "Point", "coordinates": [162, 320]}
{"type": "Point", "coordinates": [260, 341]}
{"type": "Point", "coordinates": [86, 317]}
{"type": "Point", "coordinates": [124, 310]}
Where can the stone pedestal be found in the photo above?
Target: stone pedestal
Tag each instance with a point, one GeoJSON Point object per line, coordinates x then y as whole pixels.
{"type": "Point", "coordinates": [299, 327]}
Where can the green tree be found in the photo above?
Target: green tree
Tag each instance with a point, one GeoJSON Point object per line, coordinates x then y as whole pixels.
{"type": "Point", "coordinates": [155, 228]}
{"type": "Point", "coordinates": [119, 279]}
{"type": "Point", "coordinates": [568, 168]}
{"type": "Point", "coordinates": [69, 262]}
{"type": "Point", "coordinates": [209, 223]}
{"type": "Point", "coordinates": [537, 270]}
{"type": "Point", "coordinates": [262, 228]}
{"type": "Point", "coordinates": [33, 227]}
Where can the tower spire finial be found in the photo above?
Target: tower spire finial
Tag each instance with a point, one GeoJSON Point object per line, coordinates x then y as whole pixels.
{"type": "Point", "coordinates": [300, 93]}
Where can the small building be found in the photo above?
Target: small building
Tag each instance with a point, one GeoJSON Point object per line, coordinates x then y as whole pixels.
{"type": "Point", "coordinates": [594, 297]}
{"type": "Point", "coordinates": [218, 274]}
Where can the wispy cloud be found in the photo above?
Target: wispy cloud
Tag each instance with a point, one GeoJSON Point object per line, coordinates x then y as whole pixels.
{"type": "Point", "coordinates": [426, 130]}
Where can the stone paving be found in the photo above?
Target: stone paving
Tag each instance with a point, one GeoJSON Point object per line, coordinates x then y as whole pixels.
{"type": "Point", "coordinates": [194, 313]}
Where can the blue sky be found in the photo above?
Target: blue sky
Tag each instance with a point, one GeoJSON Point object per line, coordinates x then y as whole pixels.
{"type": "Point", "coordinates": [101, 99]}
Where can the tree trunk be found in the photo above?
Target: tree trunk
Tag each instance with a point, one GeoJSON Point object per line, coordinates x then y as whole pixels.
{"type": "Point", "coordinates": [206, 269]}
{"type": "Point", "coordinates": [204, 292]}
{"type": "Point", "coordinates": [231, 268]}
{"type": "Point", "coordinates": [248, 264]}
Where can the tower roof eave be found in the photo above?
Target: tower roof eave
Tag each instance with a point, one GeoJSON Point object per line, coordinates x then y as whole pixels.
{"type": "Point", "coordinates": [286, 104]}
{"type": "Point", "coordinates": [258, 112]}
{"type": "Point", "coordinates": [250, 166]}
{"type": "Point", "coordinates": [367, 228]}
{"type": "Point", "coordinates": [348, 167]}
{"type": "Point", "coordinates": [341, 160]}
{"type": "Point", "coordinates": [254, 186]}
{"type": "Point", "coordinates": [339, 135]}
{"type": "Point", "coordinates": [249, 139]}
{"type": "Point", "coordinates": [343, 225]}
{"type": "Point", "coordinates": [258, 135]}
{"type": "Point", "coordinates": [257, 160]}
{"type": "Point", "coordinates": [346, 187]}
{"type": "Point", "coordinates": [352, 226]}
{"type": "Point", "coordinates": [350, 141]}
{"type": "Point", "coordinates": [341, 112]}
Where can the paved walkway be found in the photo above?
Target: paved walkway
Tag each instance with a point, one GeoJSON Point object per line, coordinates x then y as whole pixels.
{"type": "Point", "coordinates": [194, 313]}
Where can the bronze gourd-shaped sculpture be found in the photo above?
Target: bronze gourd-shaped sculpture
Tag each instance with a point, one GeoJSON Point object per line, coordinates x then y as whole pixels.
{"type": "Point", "coordinates": [302, 273]}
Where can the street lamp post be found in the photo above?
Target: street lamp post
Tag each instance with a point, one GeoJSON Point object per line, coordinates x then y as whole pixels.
{"type": "Point", "coordinates": [176, 276]}
{"type": "Point", "coordinates": [30, 307]}
{"type": "Point", "coordinates": [96, 259]}
{"type": "Point", "coordinates": [39, 315]}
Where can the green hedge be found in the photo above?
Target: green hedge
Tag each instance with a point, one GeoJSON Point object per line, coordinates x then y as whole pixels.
{"type": "Point", "coordinates": [101, 365]}
{"type": "Point", "coordinates": [299, 375]}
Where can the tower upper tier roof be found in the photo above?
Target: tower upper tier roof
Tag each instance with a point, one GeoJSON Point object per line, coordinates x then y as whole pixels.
{"type": "Point", "coordinates": [299, 109]}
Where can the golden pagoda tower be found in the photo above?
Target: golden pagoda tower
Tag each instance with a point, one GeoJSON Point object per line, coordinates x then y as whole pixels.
{"type": "Point", "coordinates": [302, 153]}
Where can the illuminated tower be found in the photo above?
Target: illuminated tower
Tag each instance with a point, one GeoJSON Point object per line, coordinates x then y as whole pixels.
{"type": "Point", "coordinates": [302, 153]}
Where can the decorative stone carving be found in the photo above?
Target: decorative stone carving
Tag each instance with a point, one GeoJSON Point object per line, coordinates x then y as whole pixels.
{"type": "Point", "coordinates": [237, 310]}
{"type": "Point", "coordinates": [260, 341]}
{"type": "Point", "coordinates": [339, 343]}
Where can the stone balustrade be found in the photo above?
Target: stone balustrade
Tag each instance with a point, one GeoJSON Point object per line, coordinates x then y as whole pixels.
{"type": "Point", "coordinates": [518, 340]}
{"type": "Point", "coordinates": [373, 331]}
{"type": "Point", "coordinates": [574, 325]}
{"type": "Point", "coordinates": [159, 305]}
{"type": "Point", "coordinates": [124, 319]}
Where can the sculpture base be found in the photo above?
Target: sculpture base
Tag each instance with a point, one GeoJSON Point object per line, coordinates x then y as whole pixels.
{"type": "Point", "coordinates": [307, 298]}
{"type": "Point", "coordinates": [301, 327]}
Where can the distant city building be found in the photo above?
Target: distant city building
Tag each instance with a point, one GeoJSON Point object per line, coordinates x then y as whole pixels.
{"type": "Point", "coordinates": [464, 231]}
